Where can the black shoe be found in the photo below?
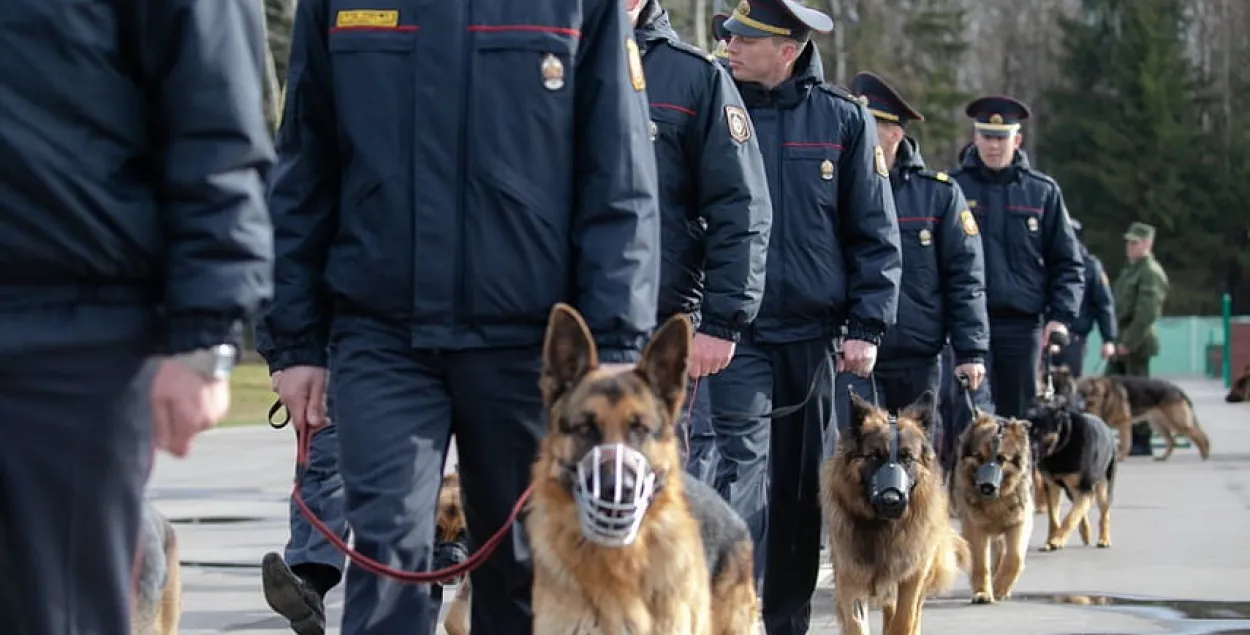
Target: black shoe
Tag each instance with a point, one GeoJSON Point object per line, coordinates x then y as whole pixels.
{"type": "Point", "coordinates": [292, 597]}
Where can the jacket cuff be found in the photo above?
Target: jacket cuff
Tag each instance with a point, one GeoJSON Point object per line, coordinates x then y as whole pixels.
{"type": "Point", "coordinates": [1065, 319]}
{"type": "Point", "coordinates": [185, 333]}
{"type": "Point", "coordinates": [301, 356]}
{"type": "Point", "coordinates": [969, 358]}
{"type": "Point", "coordinates": [863, 332]}
{"type": "Point", "coordinates": [720, 331]}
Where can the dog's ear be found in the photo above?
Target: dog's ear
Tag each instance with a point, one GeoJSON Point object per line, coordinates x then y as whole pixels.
{"type": "Point", "coordinates": [921, 411]}
{"type": "Point", "coordinates": [664, 362]}
{"type": "Point", "coordinates": [568, 352]}
{"type": "Point", "coordinates": [860, 410]}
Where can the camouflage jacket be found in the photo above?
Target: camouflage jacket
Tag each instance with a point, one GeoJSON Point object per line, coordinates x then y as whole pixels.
{"type": "Point", "coordinates": [1139, 295]}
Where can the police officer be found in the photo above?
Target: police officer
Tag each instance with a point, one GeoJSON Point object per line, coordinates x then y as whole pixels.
{"type": "Point", "coordinates": [833, 267]}
{"type": "Point", "coordinates": [1034, 274]}
{"type": "Point", "coordinates": [714, 206]}
{"type": "Point", "coordinates": [130, 260]}
{"type": "Point", "coordinates": [296, 582]}
{"type": "Point", "coordinates": [943, 287]}
{"type": "Point", "coordinates": [1097, 306]}
{"type": "Point", "coordinates": [1140, 291]}
{"type": "Point", "coordinates": [434, 197]}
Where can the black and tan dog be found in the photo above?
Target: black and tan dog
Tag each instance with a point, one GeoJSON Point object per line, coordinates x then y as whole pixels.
{"type": "Point", "coordinates": [683, 565]}
{"type": "Point", "coordinates": [157, 601]}
{"type": "Point", "coordinates": [888, 518]}
{"type": "Point", "coordinates": [1078, 458]}
{"type": "Point", "coordinates": [994, 502]}
{"type": "Point", "coordinates": [1123, 401]}
{"type": "Point", "coordinates": [1239, 392]}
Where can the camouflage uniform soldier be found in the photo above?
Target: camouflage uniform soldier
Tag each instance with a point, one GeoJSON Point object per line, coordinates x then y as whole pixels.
{"type": "Point", "coordinates": [1139, 294]}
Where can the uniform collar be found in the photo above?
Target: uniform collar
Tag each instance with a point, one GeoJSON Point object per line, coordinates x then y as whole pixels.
{"type": "Point", "coordinates": [653, 25]}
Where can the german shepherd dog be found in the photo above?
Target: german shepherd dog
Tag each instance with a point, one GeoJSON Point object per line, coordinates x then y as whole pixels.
{"type": "Point", "coordinates": [888, 518]}
{"type": "Point", "coordinates": [622, 540]}
{"type": "Point", "coordinates": [157, 602]}
{"type": "Point", "coordinates": [449, 550]}
{"type": "Point", "coordinates": [1239, 392]}
{"type": "Point", "coordinates": [994, 502]}
{"type": "Point", "coordinates": [1123, 401]}
{"type": "Point", "coordinates": [1078, 456]}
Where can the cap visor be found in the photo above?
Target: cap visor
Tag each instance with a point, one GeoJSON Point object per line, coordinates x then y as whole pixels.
{"type": "Point", "coordinates": [734, 27]}
{"type": "Point", "coordinates": [813, 19]}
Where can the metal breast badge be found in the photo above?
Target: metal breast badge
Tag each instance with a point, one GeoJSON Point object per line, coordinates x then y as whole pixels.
{"type": "Point", "coordinates": [553, 72]}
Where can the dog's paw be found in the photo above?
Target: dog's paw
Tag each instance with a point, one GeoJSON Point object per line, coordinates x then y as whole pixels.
{"type": "Point", "coordinates": [1051, 546]}
{"type": "Point", "coordinates": [1160, 458]}
{"type": "Point", "coordinates": [1002, 596]}
{"type": "Point", "coordinates": [1104, 544]}
{"type": "Point", "coordinates": [982, 597]}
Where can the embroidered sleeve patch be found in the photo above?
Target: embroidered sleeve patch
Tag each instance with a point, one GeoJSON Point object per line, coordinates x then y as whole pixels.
{"type": "Point", "coordinates": [366, 18]}
{"type": "Point", "coordinates": [878, 158]}
{"type": "Point", "coordinates": [738, 122]}
{"type": "Point", "coordinates": [969, 223]}
{"type": "Point", "coordinates": [634, 62]}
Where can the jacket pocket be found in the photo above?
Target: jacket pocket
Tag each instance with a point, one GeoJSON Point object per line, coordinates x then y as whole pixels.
{"type": "Point", "coordinates": [373, 94]}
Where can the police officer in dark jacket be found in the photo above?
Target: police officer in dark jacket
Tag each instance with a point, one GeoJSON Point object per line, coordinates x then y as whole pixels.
{"type": "Point", "coordinates": [943, 285]}
{"type": "Point", "coordinates": [1097, 307]}
{"type": "Point", "coordinates": [435, 196]}
{"type": "Point", "coordinates": [1034, 274]}
{"type": "Point", "coordinates": [134, 246]}
{"type": "Point", "coordinates": [833, 270]}
{"type": "Point", "coordinates": [714, 208]}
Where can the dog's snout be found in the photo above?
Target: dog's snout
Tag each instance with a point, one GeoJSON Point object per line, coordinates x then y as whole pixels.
{"type": "Point", "coordinates": [615, 481]}
{"type": "Point", "coordinates": [987, 490]}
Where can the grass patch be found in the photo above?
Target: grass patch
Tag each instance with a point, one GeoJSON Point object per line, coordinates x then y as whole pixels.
{"type": "Point", "coordinates": [250, 396]}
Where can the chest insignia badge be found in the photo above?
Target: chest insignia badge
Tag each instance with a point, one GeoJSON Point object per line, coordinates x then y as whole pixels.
{"type": "Point", "coordinates": [553, 72]}
{"type": "Point", "coordinates": [972, 204]}
{"type": "Point", "coordinates": [969, 223]}
{"type": "Point", "coordinates": [926, 237]}
{"type": "Point", "coordinates": [654, 130]}
{"type": "Point", "coordinates": [1032, 222]}
{"type": "Point", "coordinates": [826, 170]}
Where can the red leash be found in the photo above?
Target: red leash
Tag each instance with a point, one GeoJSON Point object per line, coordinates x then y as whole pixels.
{"type": "Point", "coordinates": [304, 445]}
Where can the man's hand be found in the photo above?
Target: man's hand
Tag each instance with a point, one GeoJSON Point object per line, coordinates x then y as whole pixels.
{"type": "Point", "coordinates": [1052, 327]}
{"type": "Point", "coordinates": [1121, 350]}
{"type": "Point", "coordinates": [858, 357]}
{"type": "Point", "coordinates": [302, 390]}
{"type": "Point", "coordinates": [274, 381]}
{"type": "Point", "coordinates": [184, 404]}
{"type": "Point", "coordinates": [975, 373]}
{"type": "Point", "coordinates": [709, 355]}
{"type": "Point", "coordinates": [1108, 350]}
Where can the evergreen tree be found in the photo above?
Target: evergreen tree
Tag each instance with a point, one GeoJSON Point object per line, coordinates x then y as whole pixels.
{"type": "Point", "coordinates": [1125, 140]}
{"type": "Point", "coordinates": [928, 67]}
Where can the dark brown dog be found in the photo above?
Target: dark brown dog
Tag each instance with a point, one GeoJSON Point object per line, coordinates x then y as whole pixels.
{"type": "Point", "coordinates": [1122, 401]}
{"type": "Point", "coordinates": [688, 568]}
{"type": "Point", "coordinates": [1078, 458]}
{"type": "Point", "coordinates": [997, 524]}
{"type": "Point", "coordinates": [1239, 392]}
{"type": "Point", "coordinates": [893, 564]}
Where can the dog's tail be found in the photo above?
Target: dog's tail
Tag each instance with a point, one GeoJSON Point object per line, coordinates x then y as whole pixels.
{"type": "Point", "coordinates": [953, 557]}
{"type": "Point", "coordinates": [1111, 469]}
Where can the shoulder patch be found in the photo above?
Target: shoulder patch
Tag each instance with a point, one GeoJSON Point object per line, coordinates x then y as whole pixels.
{"type": "Point", "coordinates": [691, 50]}
{"type": "Point", "coordinates": [739, 123]}
{"type": "Point", "coordinates": [937, 175]}
{"type": "Point", "coordinates": [969, 223]}
{"type": "Point", "coordinates": [840, 92]}
{"type": "Point", "coordinates": [633, 62]}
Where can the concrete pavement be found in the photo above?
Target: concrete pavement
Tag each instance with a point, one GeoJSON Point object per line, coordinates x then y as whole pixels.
{"type": "Point", "coordinates": [1181, 531]}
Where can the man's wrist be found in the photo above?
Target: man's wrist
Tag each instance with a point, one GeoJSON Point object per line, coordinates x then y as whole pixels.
{"type": "Point", "coordinates": [214, 363]}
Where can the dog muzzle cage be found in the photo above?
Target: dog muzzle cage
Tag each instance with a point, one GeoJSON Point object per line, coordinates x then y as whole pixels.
{"type": "Point", "coordinates": [613, 490]}
{"type": "Point", "coordinates": [891, 486]}
{"type": "Point", "coordinates": [989, 475]}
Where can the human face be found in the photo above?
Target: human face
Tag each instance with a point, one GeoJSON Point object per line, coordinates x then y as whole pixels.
{"type": "Point", "coordinates": [765, 60]}
{"type": "Point", "coordinates": [1136, 249]}
{"type": "Point", "coordinates": [890, 135]}
{"type": "Point", "coordinates": [997, 152]}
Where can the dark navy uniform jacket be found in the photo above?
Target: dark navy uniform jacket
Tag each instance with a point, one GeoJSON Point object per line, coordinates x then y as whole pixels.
{"type": "Point", "coordinates": [943, 287]}
{"type": "Point", "coordinates": [1097, 304]}
{"type": "Point", "coordinates": [713, 190]}
{"type": "Point", "coordinates": [833, 256]}
{"type": "Point", "coordinates": [121, 180]}
{"type": "Point", "coordinates": [461, 166]}
{"type": "Point", "coordinates": [1032, 260]}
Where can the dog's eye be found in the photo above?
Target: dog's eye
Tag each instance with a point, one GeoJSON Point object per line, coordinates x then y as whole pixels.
{"type": "Point", "coordinates": [638, 425]}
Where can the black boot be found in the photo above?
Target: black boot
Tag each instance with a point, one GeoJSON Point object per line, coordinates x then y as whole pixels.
{"type": "Point", "coordinates": [293, 597]}
{"type": "Point", "coordinates": [1141, 441]}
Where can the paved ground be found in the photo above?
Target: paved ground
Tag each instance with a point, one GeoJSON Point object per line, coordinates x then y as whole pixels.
{"type": "Point", "coordinates": [1180, 532]}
